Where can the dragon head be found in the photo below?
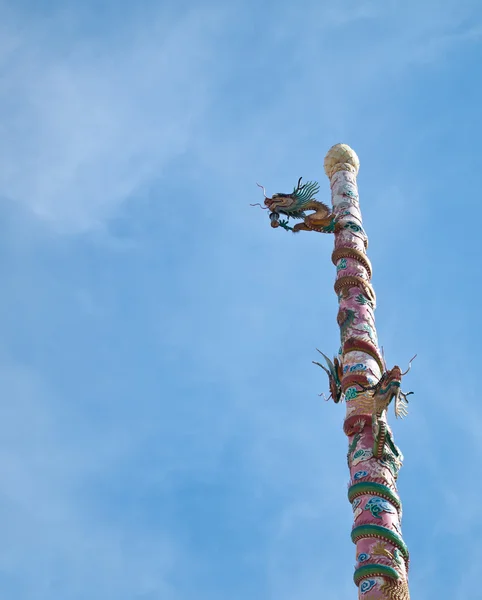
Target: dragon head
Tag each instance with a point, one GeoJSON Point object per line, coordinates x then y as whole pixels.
{"type": "Point", "coordinates": [389, 386]}
{"type": "Point", "coordinates": [291, 204]}
{"type": "Point", "coordinates": [393, 376]}
{"type": "Point", "coordinates": [280, 202]}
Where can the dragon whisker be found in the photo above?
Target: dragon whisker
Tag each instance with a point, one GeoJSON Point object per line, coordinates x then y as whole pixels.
{"type": "Point", "coordinates": [409, 365]}
{"type": "Point", "coordinates": [261, 207]}
{"type": "Point", "coordinates": [262, 187]}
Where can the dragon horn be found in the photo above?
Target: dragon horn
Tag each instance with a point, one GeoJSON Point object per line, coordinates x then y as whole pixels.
{"type": "Point", "coordinates": [409, 365]}
{"type": "Point", "coordinates": [299, 187]}
{"type": "Point", "coordinates": [322, 366]}
{"type": "Point", "coordinates": [264, 191]}
{"type": "Point", "coordinates": [328, 361]}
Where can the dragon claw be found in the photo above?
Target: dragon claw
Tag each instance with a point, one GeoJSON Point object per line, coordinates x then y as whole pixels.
{"type": "Point", "coordinates": [284, 224]}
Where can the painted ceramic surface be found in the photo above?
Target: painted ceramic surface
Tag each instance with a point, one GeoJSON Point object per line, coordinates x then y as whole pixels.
{"type": "Point", "coordinates": [381, 555]}
{"type": "Point", "coordinates": [358, 375]}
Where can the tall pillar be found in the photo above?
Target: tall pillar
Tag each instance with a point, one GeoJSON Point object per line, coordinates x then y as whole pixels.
{"type": "Point", "coordinates": [359, 376]}
{"type": "Point", "coordinates": [362, 378]}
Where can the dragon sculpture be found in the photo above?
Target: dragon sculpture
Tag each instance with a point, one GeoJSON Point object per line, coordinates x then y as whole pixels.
{"type": "Point", "coordinates": [388, 388]}
{"type": "Point", "coordinates": [358, 375]}
{"type": "Point", "coordinates": [295, 205]}
{"type": "Point", "coordinates": [335, 374]}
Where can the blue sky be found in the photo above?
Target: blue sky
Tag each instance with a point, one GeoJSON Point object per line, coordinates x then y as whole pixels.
{"type": "Point", "coordinates": [161, 436]}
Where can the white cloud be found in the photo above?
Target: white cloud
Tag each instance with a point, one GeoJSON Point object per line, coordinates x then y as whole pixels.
{"type": "Point", "coordinates": [87, 121]}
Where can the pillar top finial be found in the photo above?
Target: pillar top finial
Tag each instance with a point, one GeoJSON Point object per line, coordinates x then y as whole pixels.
{"type": "Point", "coordinates": [341, 157]}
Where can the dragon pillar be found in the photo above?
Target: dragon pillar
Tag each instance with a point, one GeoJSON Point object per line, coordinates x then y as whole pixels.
{"type": "Point", "coordinates": [359, 375]}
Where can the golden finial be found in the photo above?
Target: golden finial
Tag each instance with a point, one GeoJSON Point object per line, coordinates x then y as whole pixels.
{"type": "Point", "coordinates": [341, 157]}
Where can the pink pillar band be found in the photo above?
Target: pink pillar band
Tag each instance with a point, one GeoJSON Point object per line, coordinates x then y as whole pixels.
{"type": "Point", "coordinates": [373, 459]}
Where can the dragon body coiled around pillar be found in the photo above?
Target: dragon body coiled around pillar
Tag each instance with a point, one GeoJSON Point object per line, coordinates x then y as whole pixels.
{"type": "Point", "coordinates": [359, 376]}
